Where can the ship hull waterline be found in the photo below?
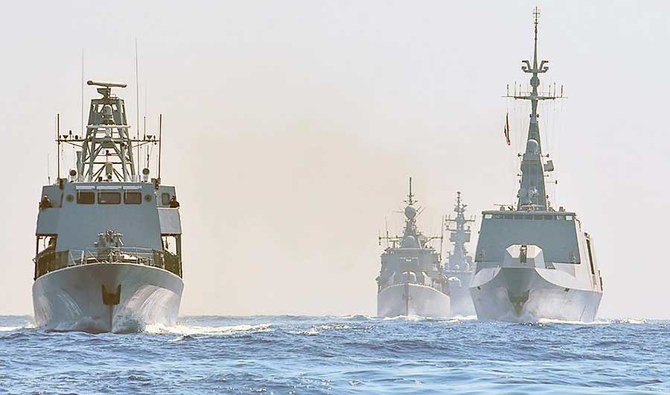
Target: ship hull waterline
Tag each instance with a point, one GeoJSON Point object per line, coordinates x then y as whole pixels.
{"type": "Point", "coordinates": [524, 295]}
{"type": "Point", "coordinates": [412, 300]}
{"type": "Point", "coordinates": [459, 293]}
{"type": "Point", "coordinates": [106, 297]}
{"type": "Point", "coordinates": [461, 302]}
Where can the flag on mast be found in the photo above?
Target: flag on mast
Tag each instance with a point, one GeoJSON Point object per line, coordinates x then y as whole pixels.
{"type": "Point", "coordinates": [506, 130]}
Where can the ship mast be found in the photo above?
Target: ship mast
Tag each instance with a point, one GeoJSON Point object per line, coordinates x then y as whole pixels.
{"type": "Point", "coordinates": [459, 236]}
{"type": "Point", "coordinates": [107, 142]}
{"type": "Point", "coordinates": [410, 214]}
{"type": "Point", "coordinates": [105, 152]}
{"type": "Point", "coordinates": [532, 193]}
{"type": "Point", "coordinates": [411, 237]}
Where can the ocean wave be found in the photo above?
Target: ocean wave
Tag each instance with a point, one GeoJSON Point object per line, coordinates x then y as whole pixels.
{"type": "Point", "coordinates": [459, 318]}
{"type": "Point", "coordinates": [416, 318]}
{"type": "Point", "coordinates": [412, 318]}
{"type": "Point", "coordinates": [636, 321]}
{"type": "Point", "coordinates": [544, 321]}
{"type": "Point", "coordinates": [337, 355]}
{"type": "Point", "coordinates": [600, 321]}
{"type": "Point", "coordinates": [192, 330]}
{"type": "Point", "coordinates": [315, 330]}
{"type": "Point", "coordinates": [12, 328]}
{"type": "Point", "coordinates": [360, 317]}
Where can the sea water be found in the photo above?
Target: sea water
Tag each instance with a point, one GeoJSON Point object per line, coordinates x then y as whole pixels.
{"type": "Point", "coordinates": [340, 355]}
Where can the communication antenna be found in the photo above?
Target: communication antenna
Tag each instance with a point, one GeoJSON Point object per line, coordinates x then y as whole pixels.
{"type": "Point", "coordinates": [82, 93]}
{"type": "Point", "coordinates": [58, 144]}
{"type": "Point", "coordinates": [442, 225]}
{"type": "Point", "coordinates": [137, 103]}
{"type": "Point", "coordinates": [386, 225]}
{"type": "Point", "coordinates": [160, 143]}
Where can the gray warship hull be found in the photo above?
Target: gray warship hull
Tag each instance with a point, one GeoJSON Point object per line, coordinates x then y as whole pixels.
{"type": "Point", "coordinates": [73, 299]}
{"type": "Point", "coordinates": [459, 293]}
{"type": "Point", "coordinates": [535, 262]}
{"type": "Point", "coordinates": [530, 295]}
{"type": "Point", "coordinates": [412, 300]}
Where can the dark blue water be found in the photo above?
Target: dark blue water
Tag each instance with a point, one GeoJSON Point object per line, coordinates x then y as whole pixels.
{"type": "Point", "coordinates": [339, 355]}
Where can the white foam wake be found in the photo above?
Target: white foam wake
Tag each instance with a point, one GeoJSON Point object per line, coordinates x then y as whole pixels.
{"type": "Point", "coordinates": [600, 321]}
{"type": "Point", "coordinates": [11, 328]}
{"type": "Point", "coordinates": [191, 330]}
{"type": "Point", "coordinates": [315, 330]}
{"type": "Point", "coordinates": [27, 325]}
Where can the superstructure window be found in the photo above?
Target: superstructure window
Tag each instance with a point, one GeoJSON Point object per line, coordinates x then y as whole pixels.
{"type": "Point", "coordinates": [109, 198]}
{"type": "Point", "coordinates": [165, 199]}
{"type": "Point", "coordinates": [132, 198]}
{"type": "Point", "coordinates": [85, 197]}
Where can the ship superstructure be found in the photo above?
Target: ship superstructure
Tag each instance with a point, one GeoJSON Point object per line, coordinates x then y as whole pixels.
{"type": "Point", "coordinates": [534, 262]}
{"type": "Point", "coordinates": [411, 281]}
{"type": "Point", "coordinates": [108, 250]}
{"type": "Point", "coordinates": [458, 265]}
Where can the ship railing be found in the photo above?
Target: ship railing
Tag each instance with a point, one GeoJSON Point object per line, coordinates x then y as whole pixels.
{"type": "Point", "coordinates": [137, 255]}
{"type": "Point", "coordinates": [537, 265]}
{"type": "Point", "coordinates": [50, 261]}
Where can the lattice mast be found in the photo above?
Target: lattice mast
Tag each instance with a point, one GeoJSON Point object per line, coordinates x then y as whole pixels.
{"type": "Point", "coordinates": [105, 153]}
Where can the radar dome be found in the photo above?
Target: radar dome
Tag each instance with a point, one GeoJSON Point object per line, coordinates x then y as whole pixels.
{"type": "Point", "coordinates": [410, 212]}
{"type": "Point", "coordinates": [532, 146]}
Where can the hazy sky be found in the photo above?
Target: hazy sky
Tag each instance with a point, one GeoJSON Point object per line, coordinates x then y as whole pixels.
{"type": "Point", "coordinates": [291, 127]}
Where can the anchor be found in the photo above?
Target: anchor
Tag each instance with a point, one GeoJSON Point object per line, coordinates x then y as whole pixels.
{"type": "Point", "coordinates": [109, 298]}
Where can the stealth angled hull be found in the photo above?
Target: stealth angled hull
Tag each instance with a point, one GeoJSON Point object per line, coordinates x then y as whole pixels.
{"type": "Point", "coordinates": [517, 294]}
{"type": "Point", "coordinates": [106, 297]}
{"type": "Point", "coordinates": [412, 300]}
{"type": "Point", "coordinates": [534, 261]}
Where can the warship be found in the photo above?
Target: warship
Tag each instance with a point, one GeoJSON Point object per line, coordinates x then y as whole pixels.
{"type": "Point", "coordinates": [458, 265]}
{"type": "Point", "coordinates": [108, 240]}
{"type": "Point", "coordinates": [411, 281]}
{"type": "Point", "coordinates": [534, 262]}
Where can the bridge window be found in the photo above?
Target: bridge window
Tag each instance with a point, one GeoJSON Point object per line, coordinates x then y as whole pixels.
{"type": "Point", "coordinates": [85, 197]}
{"type": "Point", "coordinates": [165, 199]}
{"type": "Point", "coordinates": [132, 198]}
{"type": "Point", "coordinates": [109, 198]}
